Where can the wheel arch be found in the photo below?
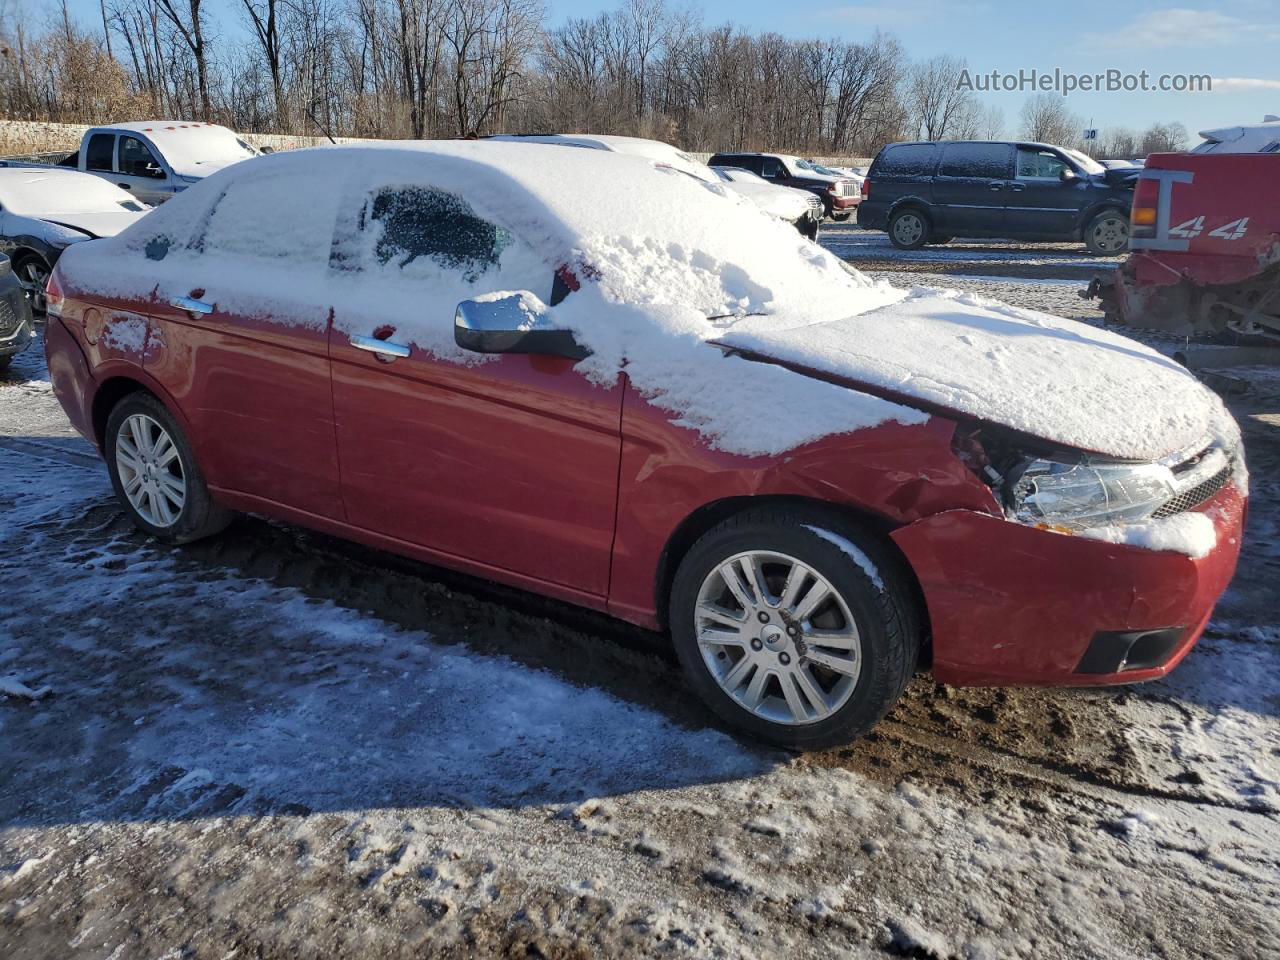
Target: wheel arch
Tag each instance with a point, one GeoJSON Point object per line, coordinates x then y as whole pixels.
{"type": "Point", "coordinates": [109, 393]}
{"type": "Point", "coordinates": [703, 519]}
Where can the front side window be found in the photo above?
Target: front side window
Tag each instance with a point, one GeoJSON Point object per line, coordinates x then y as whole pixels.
{"type": "Point", "coordinates": [774, 168]}
{"type": "Point", "coordinates": [137, 160]}
{"type": "Point", "coordinates": [1039, 164]}
{"type": "Point", "coordinates": [98, 154]}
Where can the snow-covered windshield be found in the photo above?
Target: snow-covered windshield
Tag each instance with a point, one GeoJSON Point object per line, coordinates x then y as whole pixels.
{"type": "Point", "coordinates": [32, 193]}
{"type": "Point", "coordinates": [1085, 163]}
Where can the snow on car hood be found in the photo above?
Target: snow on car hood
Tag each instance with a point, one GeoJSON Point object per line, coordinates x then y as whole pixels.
{"type": "Point", "coordinates": [105, 224]}
{"type": "Point", "coordinates": [1058, 380]}
{"type": "Point", "coordinates": [783, 202]}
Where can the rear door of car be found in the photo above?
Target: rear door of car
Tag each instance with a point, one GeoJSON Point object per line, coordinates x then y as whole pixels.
{"type": "Point", "coordinates": [1039, 203]}
{"type": "Point", "coordinates": [508, 463]}
{"type": "Point", "coordinates": [970, 188]}
{"type": "Point", "coordinates": [240, 337]}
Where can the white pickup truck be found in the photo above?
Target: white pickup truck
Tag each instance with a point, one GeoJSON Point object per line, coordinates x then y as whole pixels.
{"type": "Point", "coordinates": [155, 159]}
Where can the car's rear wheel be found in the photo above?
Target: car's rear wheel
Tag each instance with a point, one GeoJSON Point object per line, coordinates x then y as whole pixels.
{"type": "Point", "coordinates": [793, 627]}
{"type": "Point", "coordinates": [33, 273]}
{"type": "Point", "coordinates": [155, 474]}
{"type": "Point", "coordinates": [1107, 234]}
{"type": "Point", "coordinates": [909, 229]}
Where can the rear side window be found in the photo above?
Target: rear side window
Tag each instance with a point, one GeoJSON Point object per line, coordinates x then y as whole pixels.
{"type": "Point", "coordinates": [906, 160]}
{"type": "Point", "coordinates": [982, 160]}
{"type": "Point", "coordinates": [98, 154]}
{"type": "Point", "coordinates": [274, 217]}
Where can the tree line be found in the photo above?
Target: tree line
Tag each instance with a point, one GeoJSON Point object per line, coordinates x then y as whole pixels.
{"type": "Point", "coordinates": [450, 68]}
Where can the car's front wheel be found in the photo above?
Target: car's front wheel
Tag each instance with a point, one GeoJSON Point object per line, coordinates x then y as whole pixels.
{"type": "Point", "coordinates": [33, 274]}
{"type": "Point", "coordinates": [154, 472]}
{"type": "Point", "coordinates": [1107, 234]}
{"type": "Point", "coordinates": [908, 229]}
{"type": "Point", "coordinates": [793, 627]}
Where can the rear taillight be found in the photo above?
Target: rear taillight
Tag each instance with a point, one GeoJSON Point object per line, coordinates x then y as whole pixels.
{"type": "Point", "coordinates": [866, 189]}
{"type": "Point", "coordinates": [53, 296]}
{"type": "Point", "coordinates": [1142, 217]}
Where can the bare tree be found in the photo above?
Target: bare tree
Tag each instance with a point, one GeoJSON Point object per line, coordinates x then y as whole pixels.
{"type": "Point", "coordinates": [937, 102]}
{"type": "Point", "coordinates": [1046, 119]}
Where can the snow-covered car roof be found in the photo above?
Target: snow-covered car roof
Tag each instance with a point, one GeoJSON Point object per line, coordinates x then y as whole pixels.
{"type": "Point", "coordinates": [191, 149]}
{"type": "Point", "coordinates": [670, 265]}
{"type": "Point", "coordinates": [636, 146]}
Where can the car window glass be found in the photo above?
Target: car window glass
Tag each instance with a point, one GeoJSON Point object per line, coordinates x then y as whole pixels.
{"type": "Point", "coordinates": [985, 160]}
{"type": "Point", "coordinates": [773, 167]}
{"type": "Point", "coordinates": [137, 160]}
{"type": "Point", "coordinates": [97, 155]}
{"type": "Point", "coordinates": [1039, 164]}
{"type": "Point", "coordinates": [271, 218]}
{"type": "Point", "coordinates": [907, 160]}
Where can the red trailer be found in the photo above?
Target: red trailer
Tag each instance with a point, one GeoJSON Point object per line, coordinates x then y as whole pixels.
{"type": "Point", "coordinates": [1205, 235]}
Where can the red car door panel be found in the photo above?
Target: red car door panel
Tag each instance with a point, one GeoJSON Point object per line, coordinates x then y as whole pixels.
{"type": "Point", "coordinates": [258, 394]}
{"type": "Point", "coordinates": [511, 463]}
{"type": "Point", "coordinates": [246, 356]}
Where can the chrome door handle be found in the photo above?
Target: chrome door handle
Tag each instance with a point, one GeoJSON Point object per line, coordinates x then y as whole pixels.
{"type": "Point", "coordinates": [382, 347]}
{"type": "Point", "coordinates": [996, 186]}
{"type": "Point", "coordinates": [1016, 187]}
{"type": "Point", "coordinates": [191, 305]}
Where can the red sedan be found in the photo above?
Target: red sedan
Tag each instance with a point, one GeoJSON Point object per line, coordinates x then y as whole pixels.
{"type": "Point", "coordinates": [656, 402]}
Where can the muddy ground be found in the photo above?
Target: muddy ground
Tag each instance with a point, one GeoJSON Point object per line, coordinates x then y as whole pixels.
{"type": "Point", "coordinates": [276, 744]}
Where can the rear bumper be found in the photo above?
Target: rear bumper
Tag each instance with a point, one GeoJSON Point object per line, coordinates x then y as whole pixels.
{"type": "Point", "coordinates": [1013, 605]}
{"type": "Point", "coordinates": [73, 384]}
{"type": "Point", "coordinates": [845, 204]}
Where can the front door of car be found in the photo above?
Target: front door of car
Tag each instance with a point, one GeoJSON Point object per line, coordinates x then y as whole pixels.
{"type": "Point", "coordinates": [140, 171]}
{"type": "Point", "coordinates": [1040, 202]}
{"type": "Point", "coordinates": [970, 189]}
{"type": "Point", "coordinates": [240, 339]}
{"type": "Point", "coordinates": [508, 462]}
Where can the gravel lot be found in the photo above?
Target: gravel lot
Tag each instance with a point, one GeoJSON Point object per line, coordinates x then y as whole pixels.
{"type": "Point", "coordinates": [274, 744]}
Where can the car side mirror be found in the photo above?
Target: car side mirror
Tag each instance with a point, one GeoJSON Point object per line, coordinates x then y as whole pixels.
{"type": "Point", "coordinates": [512, 323]}
{"type": "Point", "coordinates": [1067, 175]}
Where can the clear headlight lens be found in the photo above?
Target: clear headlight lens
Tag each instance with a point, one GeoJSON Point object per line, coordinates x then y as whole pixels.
{"type": "Point", "coordinates": [1087, 494]}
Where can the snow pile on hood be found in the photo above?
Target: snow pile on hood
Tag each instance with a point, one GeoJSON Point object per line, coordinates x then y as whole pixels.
{"type": "Point", "coordinates": [1055, 379]}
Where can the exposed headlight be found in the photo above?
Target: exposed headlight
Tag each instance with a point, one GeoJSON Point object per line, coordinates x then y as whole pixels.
{"type": "Point", "coordinates": [1082, 494]}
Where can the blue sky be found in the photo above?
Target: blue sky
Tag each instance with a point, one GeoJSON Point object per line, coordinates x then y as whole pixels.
{"type": "Point", "coordinates": [1235, 41]}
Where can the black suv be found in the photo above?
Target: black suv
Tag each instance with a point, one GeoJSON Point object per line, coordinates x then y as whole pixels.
{"type": "Point", "coordinates": [929, 192]}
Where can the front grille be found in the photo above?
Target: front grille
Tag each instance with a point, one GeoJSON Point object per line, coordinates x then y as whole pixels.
{"type": "Point", "coordinates": [846, 188]}
{"type": "Point", "coordinates": [8, 319]}
{"type": "Point", "coordinates": [814, 202]}
{"type": "Point", "coordinates": [1192, 498]}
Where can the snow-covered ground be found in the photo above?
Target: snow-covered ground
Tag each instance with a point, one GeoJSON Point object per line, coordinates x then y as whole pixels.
{"type": "Point", "coordinates": [274, 744]}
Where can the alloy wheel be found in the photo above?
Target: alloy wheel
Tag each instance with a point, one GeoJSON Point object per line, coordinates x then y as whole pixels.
{"type": "Point", "coordinates": [150, 470]}
{"type": "Point", "coordinates": [1111, 235]}
{"type": "Point", "coordinates": [32, 277]}
{"type": "Point", "coordinates": [778, 637]}
{"type": "Point", "coordinates": [908, 229]}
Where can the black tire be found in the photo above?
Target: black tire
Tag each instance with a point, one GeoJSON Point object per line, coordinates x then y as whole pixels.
{"type": "Point", "coordinates": [199, 516]}
{"type": "Point", "coordinates": [909, 229]}
{"type": "Point", "coordinates": [885, 617]}
{"type": "Point", "coordinates": [1104, 230]}
{"type": "Point", "coordinates": [29, 268]}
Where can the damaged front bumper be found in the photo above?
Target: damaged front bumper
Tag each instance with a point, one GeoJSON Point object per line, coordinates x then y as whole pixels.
{"type": "Point", "coordinates": [1011, 604]}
